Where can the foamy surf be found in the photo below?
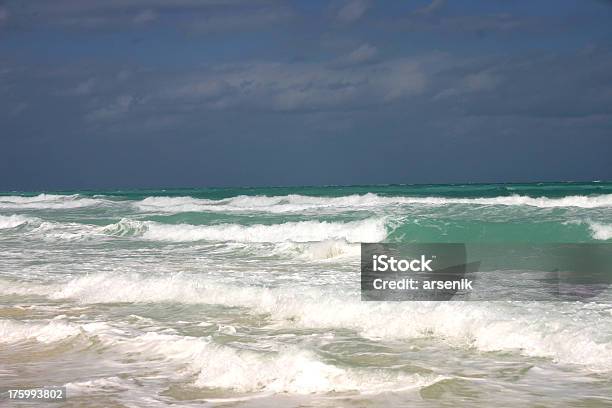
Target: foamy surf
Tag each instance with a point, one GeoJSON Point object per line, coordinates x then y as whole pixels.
{"type": "Point", "coordinates": [370, 230]}
{"type": "Point", "coordinates": [250, 297]}
{"type": "Point", "coordinates": [299, 203]}
{"type": "Point", "coordinates": [288, 370]}
{"type": "Point", "coordinates": [14, 331]}
{"type": "Point", "coordinates": [210, 365]}
{"type": "Point", "coordinates": [483, 325]}
{"type": "Point", "coordinates": [329, 249]}
{"type": "Point", "coordinates": [12, 221]}
{"type": "Point", "coordinates": [331, 235]}
{"type": "Point", "coordinates": [48, 201]}
{"type": "Point", "coordinates": [601, 231]}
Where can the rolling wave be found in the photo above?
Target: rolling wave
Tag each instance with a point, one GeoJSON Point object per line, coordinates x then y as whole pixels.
{"type": "Point", "coordinates": [294, 202]}
{"type": "Point", "coordinates": [15, 331]}
{"type": "Point", "coordinates": [557, 335]}
{"type": "Point", "coordinates": [369, 230]}
{"type": "Point", "coordinates": [291, 370]}
{"type": "Point", "coordinates": [311, 240]}
{"type": "Point", "coordinates": [297, 203]}
{"type": "Point", "coordinates": [49, 201]}
{"type": "Point", "coordinates": [15, 220]}
{"type": "Point", "coordinates": [600, 231]}
{"type": "Point", "coordinates": [335, 237]}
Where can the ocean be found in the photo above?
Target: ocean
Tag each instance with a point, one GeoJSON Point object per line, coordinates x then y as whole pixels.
{"type": "Point", "coordinates": [250, 297]}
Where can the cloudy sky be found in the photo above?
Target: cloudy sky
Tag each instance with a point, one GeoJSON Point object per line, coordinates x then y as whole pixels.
{"type": "Point", "coordinates": [171, 93]}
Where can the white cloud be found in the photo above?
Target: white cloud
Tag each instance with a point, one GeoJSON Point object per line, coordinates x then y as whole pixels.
{"type": "Point", "coordinates": [4, 15]}
{"type": "Point", "coordinates": [120, 106]}
{"type": "Point", "coordinates": [362, 54]}
{"type": "Point", "coordinates": [352, 10]}
{"type": "Point", "coordinates": [482, 81]}
{"type": "Point", "coordinates": [296, 86]}
{"type": "Point", "coordinates": [84, 88]}
{"type": "Point", "coordinates": [18, 109]}
{"type": "Point", "coordinates": [145, 16]}
{"type": "Point", "coordinates": [123, 75]}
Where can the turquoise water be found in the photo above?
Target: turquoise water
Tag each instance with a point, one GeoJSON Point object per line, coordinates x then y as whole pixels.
{"type": "Point", "coordinates": [546, 212]}
{"type": "Point", "coordinates": [250, 297]}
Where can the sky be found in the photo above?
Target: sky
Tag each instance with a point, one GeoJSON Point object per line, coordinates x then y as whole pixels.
{"type": "Point", "coordinates": [105, 94]}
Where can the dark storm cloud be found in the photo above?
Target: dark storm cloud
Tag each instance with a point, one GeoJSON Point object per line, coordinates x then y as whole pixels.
{"type": "Point", "coordinates": [101, 93]}
{"type": "Point", "coordinates": [575, 84]}
{"type": "Point", "coordinates": [204, 15]}
{"type": "Point", "coordinates": [438, 16]}
{"type": "Point", "coordinates": [549, 85]}
{"type": "Point", "coordinates": [297, 86]}
{"type": "Point", "coordinates": [438, 84]}
{"type": "Point", "coordinates": [4, 15]}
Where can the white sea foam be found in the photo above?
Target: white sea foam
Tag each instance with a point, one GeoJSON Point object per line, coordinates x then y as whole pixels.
{"type": "Point", "coordinates": [369, 230]}
{"type": "Point", "coordinates": [489, 327]}
{"type": "Point", "coordinates": [48, 201]}
{"type": "Point", "coordinates": [295, 202]}
{"type": "Point", "coordinates": [290, 370]}
{"type": "Point", "coordinates": [107, 384]}
{"type": "Point", "coordinates": [298, 203]}
{"type": "Point", "coordinates": [600, 231]}
{"type": "Point", "coordinates": [51, 230]}
{"type": "Point", "coordinates": [12, 221]}
{"type": "Point", "coordinates": [604, 200]}
{"type": "Point", "coordinates": [311, 240]}
{"type": "Point", "coordinates": [65, 231]}
{"type": "Point", "coordinates": [324, 250]}
{"type": "Point", "coordinates": [14, 331]}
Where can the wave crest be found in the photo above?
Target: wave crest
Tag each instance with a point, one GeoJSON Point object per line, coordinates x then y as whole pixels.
{"type": "Point", "coordinates": [291, 370]}
{"type": "Point", "coordinates": [49, 332]}
{"type": "Point", "coordinates": [484, 326]}
{"type": "Point", "coordinates": [369, 230]}
{"type": "Point", "coordinates": [600, 231]}
{"type": "Point", "coordinates": [299, 203]}
{"type": "Point", "coordinates": [13, 221]}
{"type": "Point", "coordinates": [48, 201]}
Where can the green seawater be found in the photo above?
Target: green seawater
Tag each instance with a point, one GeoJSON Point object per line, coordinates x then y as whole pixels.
{"type": "Point", "coordinates": [535, 212]}
{"type": "Point", "coordinates": [542, 189]}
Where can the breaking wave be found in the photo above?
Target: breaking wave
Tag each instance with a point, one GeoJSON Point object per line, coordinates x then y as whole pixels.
{"type": "Point", "coordinates": [12, 221]}
{"type": "Point", "coordinates": [290, 370]}
{"type": "Point", "coordinates": [324, 250]}
{"type": "Point", "coordinates": [310, 240]}
{"type": "Point", "coordinates": [335, 238]}
{"type": "Point", "coordinates": [297, 203]}
{"type": "Point", "coordinates": [369, 230]}
{"type": "Point", "coordinates": [15, 331]}
{"type": "Point", "coordinates": [558, 335]}
{"type": "Point", "coordinates": [600, 231]}
{"type": "Point", "coordinates": [48, 201]}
